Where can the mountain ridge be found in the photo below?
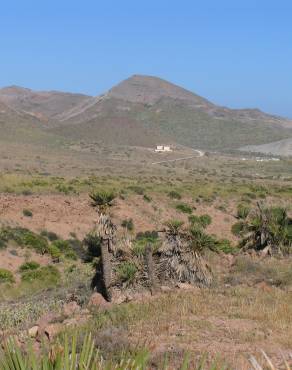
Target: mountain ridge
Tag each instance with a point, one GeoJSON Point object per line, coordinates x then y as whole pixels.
{"type": "Point", "coordinates": [143, 89]}
{"type": "Point", "coordinates": [44, 105]}
{"type": "Point", "coordinates": [143, 111]}
{"type": "Point", "coordinates": [9, 95]}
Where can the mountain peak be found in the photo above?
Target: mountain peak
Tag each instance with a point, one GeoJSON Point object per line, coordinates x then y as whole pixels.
{"type": "Point", "coordinates": [150, 89]}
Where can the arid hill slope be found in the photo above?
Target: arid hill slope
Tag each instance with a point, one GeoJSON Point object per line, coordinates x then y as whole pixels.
{"type": "Point", "coordinates": [42, 104]}
{"type": "Point", "coordinates": [143, 111]}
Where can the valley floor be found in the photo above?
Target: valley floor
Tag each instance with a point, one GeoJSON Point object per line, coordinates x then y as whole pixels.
{"type": "Point", "coordinates": [247, 309]}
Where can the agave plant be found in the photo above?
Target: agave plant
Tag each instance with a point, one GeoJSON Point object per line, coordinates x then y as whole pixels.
{"type": "Point", "coordinates": [65, 356]}
{"type": "Point", "coordinates": [200, 241]}
{"type": "Point", "coordinates": [60, 357]}
{"type": "Point", "coordinates": [102, 199]}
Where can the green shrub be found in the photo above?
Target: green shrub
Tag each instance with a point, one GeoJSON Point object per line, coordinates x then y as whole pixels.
{"type": "Point", "coordinates": [26, 192]}
{"type": "Point", "coordinates": [49, 274]}
{"type": "Point", "coordinates": [54, 251]}
{"type": "Point", "coordinates": [3, 244]}
{"type": "Point", "coordinates": [6, 276]}
{"type": "Point", "coordinates": [31, 265]}
{"type": "Point", "coordinates": [184, 208]}
{"type": "Point", "coordinates": [24, 237]}
{"type": "Point", "coordinates": [128, 224]}
{"type": "Point", "coordinates": [70, 254]}
{"type": "Point", "coordinates": [151, 236]}
{"type": "Point", "coordinates": [127, 271]}
{"type": "Point", "coordinates": [93, 243]}
{"type": "Point", "coordinates": [66, 189]}
{"type": "Point", "coordinates": [268, 227]}
{"type": "Point", "coordinates": [174, 226]}
{"type": "Point", "coordinates": [138, 248]}
{"type": "Point", "coordinates": [203, 221]}
{"type": "Point", "coordinates": [61, 244]}
{"type": "Point", "coordinates": [27, 213]}
{"type": "Point", "coordinates": [174, 195]}
{"type": "Point", "coordinates": [243, 211]}
{"type": "Point", "coordinates": [77, 247]}
{"type": "Point", "coordinates": [37, 242]}
{"type": "Point", "coordinates": [147, 198]}
{"type": "Point", "coordinates": [238, 228]}
{"type": "Point", "coordinates": [278, 214]}
{"type": "Point", "coordinates": [194, 219]}
{"type": "Point", "coordinates": [222, 208]}
{"type": "Point", "coordinates": [136, 189]}
{"type": "Point", "coordinates": [102, 198]}
{"type": "Point", "coordinates": [200, 241]}
{"type": "Point", "coordinates": [65, 248]}
{"type": "Point", "coordinates": [225, 246]}
{"type": "Point", "coordinates": [7, 233]}
{"type": "Point", "coordinates": [4, 238]}
{"type": "Point", "coordinates": [142, 240]}
{"type": "Point", "coordinates": [249, 195]}
{"type": "Point", "coordinates": [50, 235]}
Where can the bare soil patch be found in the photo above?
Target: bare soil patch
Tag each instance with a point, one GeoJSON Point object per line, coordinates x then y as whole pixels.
{"type": "Point", "coordinates": [65, 214]}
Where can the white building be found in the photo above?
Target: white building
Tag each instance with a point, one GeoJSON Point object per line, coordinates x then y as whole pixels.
{"type": "Point", "coordinates": [163, 148]}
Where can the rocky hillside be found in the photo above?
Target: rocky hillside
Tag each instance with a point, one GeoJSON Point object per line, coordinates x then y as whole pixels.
{"type": "Point", "coordinates": [282, 148]}
{"type": "Point", "coordinates": [11, 118]}
{"type": "Point", "coordinates": [44, 105]}
{"type": "Point", "coordinates": [143, 111]}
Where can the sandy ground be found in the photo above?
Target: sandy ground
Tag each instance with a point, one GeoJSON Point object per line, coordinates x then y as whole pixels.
{"type": "Point", "coordinates": [74, 214]}
{"type": "Point", "coordinates": [200, 324]}
{"type": "Point", "coordinates": [57, 213]}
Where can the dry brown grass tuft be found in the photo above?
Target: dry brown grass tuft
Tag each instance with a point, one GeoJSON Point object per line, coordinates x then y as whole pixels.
{"type": "Point", "coordinates": [232, 323]}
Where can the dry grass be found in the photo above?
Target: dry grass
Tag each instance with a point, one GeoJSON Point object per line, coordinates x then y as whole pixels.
{"type": "Point", "coordinates": [227, 322]}
{"type": "Point", "coordinates": [273, 271]}
{"type": "Point", "coordinates": [230, 323]}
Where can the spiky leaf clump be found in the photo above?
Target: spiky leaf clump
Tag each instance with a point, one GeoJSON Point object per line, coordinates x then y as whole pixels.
{"type": "Point", "coordinates": [268, 228]}
{"type": "Point", "coordinates": [174, 226]}
{"type": "Point", "coordinates": [102, 199]}
{"type": "Point", "coordinates": [65, 355]}
{"type": "Point", "coordinates": [181, 255]}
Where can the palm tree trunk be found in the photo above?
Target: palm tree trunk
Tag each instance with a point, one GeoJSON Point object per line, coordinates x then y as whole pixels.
{"type": "Point", "coordinates": [150, 267]}
{"type": "Point", "coordinates": [106, 268]}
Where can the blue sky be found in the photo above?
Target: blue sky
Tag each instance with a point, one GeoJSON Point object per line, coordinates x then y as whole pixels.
{"type": "Point", "coordinates": [236, 53]}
